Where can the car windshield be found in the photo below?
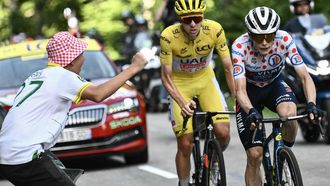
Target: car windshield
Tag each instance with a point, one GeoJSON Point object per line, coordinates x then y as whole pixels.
{"type": "Point", "coordinates": [14, 71]}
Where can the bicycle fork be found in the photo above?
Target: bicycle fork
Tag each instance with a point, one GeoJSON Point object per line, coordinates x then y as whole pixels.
{"type": "Point", "coordinates": [267, 163]}
{"type": "Point", "coordinates": [197, 160]}
{"type": "Point", "coordinates": [272, 170]}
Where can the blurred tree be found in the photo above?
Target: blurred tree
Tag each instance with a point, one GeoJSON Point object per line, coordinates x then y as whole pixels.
{"type": "Point", "coordinates": [106, 17]}
{"type": "Point", "coordinates": [45, 17]}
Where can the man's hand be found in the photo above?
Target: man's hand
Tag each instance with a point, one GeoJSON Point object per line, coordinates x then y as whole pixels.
{"type": "Point", "coordinates": [188, 108]}
{"type": "Point", "coordinates": [253, 118]}
{"type": "Point", "coordinates": [149, 54]}
{"type": "Point", "coordinates": [139, 61]}
{"type": "Point", "coordinates": [313, 112]}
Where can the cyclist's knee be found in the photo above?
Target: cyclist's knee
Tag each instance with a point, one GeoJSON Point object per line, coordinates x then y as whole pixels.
{"type": "Point", "coordinates": [185, 145]}
{"type": "Point", "coordinates": [286, 109]}
{"type": "Point", "coordinates": [254, 155]}
{"type": "Point", "coordinates": [222, 131]}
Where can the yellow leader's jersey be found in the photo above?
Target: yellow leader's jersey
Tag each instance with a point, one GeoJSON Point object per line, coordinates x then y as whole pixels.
{"type": "Point", "coordinates": [191, 72]}
{"type": "Point", "coordinates": [189, 56]}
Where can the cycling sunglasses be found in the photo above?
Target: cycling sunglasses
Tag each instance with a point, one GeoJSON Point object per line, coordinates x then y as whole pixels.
{"type": "Point", "coordinates": [259, 38]}
{"type": "Point", "coordinates": [188, 20]}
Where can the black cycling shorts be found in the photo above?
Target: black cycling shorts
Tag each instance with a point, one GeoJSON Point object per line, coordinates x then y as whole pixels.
{"type": "Point", "coordinates": [269, 96]}
{"type": "Point", "coordinates": [42, 171]}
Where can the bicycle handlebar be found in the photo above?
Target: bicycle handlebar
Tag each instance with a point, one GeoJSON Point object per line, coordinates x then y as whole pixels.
{"type": "Point", "coordinates": [284, 119]}
{"type": "Point", "coordinates": [208, 113]}
{"type": "Point", "coordinates": [214, 113]}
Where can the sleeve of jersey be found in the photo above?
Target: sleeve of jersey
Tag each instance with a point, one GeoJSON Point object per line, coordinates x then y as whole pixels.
{"type": "Point", "coordinates": [238, 60]}
{"type": "Point", "coordinates": [221, 42]}
{"type": "Point", "coordinates": [292, 52]}
{"type": "Point", "coordinates": [73, 87]}
{"type": "Point", "coordinates": [165, 48]}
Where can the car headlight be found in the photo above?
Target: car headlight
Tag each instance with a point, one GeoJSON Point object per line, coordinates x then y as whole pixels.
{"type": "Point", "coordinates": [128, 104]}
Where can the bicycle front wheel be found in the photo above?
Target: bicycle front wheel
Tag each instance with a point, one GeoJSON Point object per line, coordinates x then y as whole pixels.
{"type": "Point", "coordinates": [289, 169]}
{"type": "Point", "coordinates": [215, 174]}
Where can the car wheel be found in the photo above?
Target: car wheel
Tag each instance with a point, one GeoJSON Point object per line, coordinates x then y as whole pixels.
{"type": "Point", "coordinates": [136, 158]}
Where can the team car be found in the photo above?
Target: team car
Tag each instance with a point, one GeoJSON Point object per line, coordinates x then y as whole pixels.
{"type": "Point", "coordinates": [115, 126]}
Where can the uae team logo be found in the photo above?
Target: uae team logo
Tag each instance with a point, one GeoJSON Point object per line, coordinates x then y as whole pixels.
{"type": "Point", "coordinates": [274, 60]}
{"type": "Point", "coordinates": [296, 59]}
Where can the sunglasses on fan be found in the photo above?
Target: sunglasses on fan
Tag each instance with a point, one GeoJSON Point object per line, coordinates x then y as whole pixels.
{"type": "Point", "coordinates": [188, 20]}
{"type": "Point", "coordinates": [259, 38]}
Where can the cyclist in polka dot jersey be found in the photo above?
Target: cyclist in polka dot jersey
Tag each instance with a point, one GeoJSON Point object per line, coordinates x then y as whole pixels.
{"type": "Point", "coordinates": [262, 69]}
{"type": "Point", "coordinates": [258, 60]}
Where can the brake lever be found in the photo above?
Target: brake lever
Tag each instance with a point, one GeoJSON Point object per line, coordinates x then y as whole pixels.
{"type": "Point", "coordinates": [184, 127]}
{"type": "Point", "coordinates": [258, 127]}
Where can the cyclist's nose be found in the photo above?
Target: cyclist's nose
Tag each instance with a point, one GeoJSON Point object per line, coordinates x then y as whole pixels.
{"type": "Point", "coordinates": [192, 23]}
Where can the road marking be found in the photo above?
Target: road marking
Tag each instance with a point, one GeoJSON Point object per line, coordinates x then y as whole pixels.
{"type": "Point", "coordinates": [157, 171]}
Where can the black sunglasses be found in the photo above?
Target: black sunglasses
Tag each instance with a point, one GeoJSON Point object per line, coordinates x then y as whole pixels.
{"type": "Point", "coordinates": [188, 20]}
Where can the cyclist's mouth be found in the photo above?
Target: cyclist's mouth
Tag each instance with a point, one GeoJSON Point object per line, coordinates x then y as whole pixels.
{"type": "Point", "coordinates": [193, 31]}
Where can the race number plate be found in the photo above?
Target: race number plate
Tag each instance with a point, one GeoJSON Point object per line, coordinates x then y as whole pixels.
{"type": "Point", "coordinates": [75, 135]}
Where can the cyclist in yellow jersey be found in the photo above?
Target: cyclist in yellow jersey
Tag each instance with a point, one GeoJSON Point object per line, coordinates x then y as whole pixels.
{"type": "Point", "coordinates": [186, 52]}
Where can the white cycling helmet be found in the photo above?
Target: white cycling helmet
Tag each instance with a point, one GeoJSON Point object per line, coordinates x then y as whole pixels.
{"type": "Point", "coordinates": [293, 2]}
{"type": "Point", "coordinates": [262, 20]}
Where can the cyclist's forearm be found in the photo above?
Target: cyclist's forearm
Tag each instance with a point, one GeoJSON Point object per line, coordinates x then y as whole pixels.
{"type": "Point", "coordinates": [242, 96]}
{"type": "Point", "coordinates": [308, 84]}
{"type": "Point", "coordinates": [231, 83]}
{"type": "Point", "coordinates": [309, 89]}
{"type": "Point", "coordinates": [171, 88]}
{"type": "Point", "coordinates": [228, 68]}
{"type": "Point", "coordinates": [244, 101]}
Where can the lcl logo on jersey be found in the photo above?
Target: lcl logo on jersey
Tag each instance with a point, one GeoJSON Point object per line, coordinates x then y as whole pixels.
{"type": "Point", "coordinates": [238, 69]}
{"type": "Point", "coordinates": [296, 59]}
{"type": "Point", "coordinates": [203, 48]}
{"type": "Point", "coordinates": [274, 60]}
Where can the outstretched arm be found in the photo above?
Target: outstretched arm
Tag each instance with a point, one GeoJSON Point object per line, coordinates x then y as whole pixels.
{"type": "Point", "coordinates": [103, 91]}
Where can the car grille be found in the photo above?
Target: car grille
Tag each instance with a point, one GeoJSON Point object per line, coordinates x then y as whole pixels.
{"type": "Point", "coordinates": [86, 116]}
{"type": "Point", "coordinates": [117, 139]}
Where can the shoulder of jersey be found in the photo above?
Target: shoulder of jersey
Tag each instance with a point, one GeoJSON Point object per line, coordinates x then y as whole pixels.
{"type": "Point", "coordinates": [211, 22]}
{"type": "Point", "coordinates": [283, 37]}
{"type": "Point", "coordinates": [282, 33]}
{"type": "Point", "coordinates": [242, 39]}
{"type": "Point", "coordinates": [171, 30]}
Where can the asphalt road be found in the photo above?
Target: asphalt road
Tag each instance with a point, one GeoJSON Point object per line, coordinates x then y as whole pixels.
{"type": "Point", "coordinates": [314, 161]}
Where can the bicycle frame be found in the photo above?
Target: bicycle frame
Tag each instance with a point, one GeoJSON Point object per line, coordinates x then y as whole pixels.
{"type": "Point", "coordinates": [272, 170]}
{"type": "Point", "coordinates": [200, 161]}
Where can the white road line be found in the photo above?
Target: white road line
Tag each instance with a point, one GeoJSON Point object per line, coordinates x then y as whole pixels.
{"type": "Point", "coordinates": [157, 171]}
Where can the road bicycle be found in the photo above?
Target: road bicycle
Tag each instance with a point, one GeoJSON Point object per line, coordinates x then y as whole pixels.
{"type": "Point", "coordinates": [284, 169]}
{"type": "Point", "coordinates": [209, 167]}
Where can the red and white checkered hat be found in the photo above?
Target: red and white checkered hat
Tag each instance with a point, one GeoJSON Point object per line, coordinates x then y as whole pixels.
{"type": "Point", "coordinates": [63, 48]}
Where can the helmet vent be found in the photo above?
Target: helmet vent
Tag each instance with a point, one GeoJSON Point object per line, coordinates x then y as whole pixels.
{"type": "Point", "coordinates": [256, 18]}
{"type": "Point", "coordinates": [275, 22]}
{"type": "Point", "coordinates": [250, 22]}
